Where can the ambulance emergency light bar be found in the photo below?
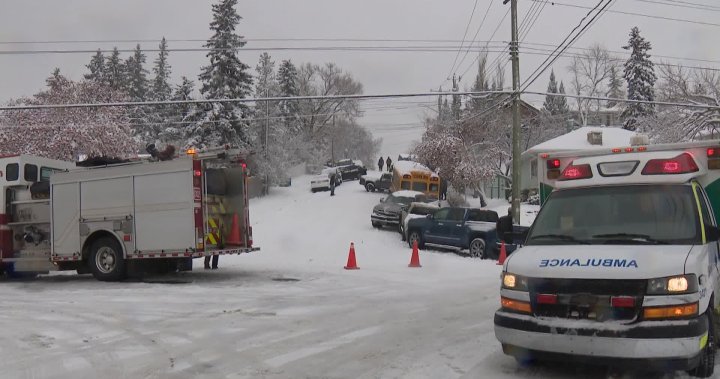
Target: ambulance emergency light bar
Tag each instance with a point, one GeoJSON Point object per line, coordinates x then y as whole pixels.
{"type": "Point", "coordinates": [681, 164]}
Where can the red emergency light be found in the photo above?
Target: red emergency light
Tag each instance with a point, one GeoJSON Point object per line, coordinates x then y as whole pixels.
{"type": "Point", "coordinates": [197, 172]}
{"type": "Point", "coordinates": [546, 299]}
{"type": "Point", "coordinates": [713, 152]}
{"type": "Point", "coordinates": [622, 301]}
{"type": "Point", "coordinates": [553, 164]}
{"type": "Point", "coordinates": [575, 172]}
{"type": "Point", "coordinates": [682, 164]}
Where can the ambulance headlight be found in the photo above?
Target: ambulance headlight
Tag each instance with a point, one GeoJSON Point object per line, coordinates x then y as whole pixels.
{"type": "Point", "coordinates": [673, 285]}
{"type": "Point", "coordinates": [514, 282]}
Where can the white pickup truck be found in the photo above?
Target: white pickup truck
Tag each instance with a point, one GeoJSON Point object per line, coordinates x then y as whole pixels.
{"type": "Point", "coordinates": [620, 267]}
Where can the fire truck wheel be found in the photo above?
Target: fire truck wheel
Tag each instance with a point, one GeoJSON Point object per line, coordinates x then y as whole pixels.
{"type": "Point", "coordinates": [106, 260]}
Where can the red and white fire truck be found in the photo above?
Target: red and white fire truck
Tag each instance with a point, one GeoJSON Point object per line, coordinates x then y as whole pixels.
{"type": "Point", "coordinates": [109, 219]}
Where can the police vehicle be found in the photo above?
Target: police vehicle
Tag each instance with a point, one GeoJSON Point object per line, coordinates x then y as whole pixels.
{"type": "Point", "coordinates": [620, 267]}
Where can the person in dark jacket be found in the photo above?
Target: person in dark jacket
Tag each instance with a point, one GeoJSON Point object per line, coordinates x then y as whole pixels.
{"type": "Point", "coordinates": [381, 162]}
{"type": "Point", "coordinates": [504, 226]}
{"type": "Point", "coordinates": [443, 189]}
{"type": "Point", "coordinates": [388, 164]}
{"type": "Point", "coordinates": [333, 178]}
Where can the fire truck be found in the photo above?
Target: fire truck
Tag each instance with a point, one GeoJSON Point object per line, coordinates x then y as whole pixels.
{"type": "Point", "coordinates": [108, 220]}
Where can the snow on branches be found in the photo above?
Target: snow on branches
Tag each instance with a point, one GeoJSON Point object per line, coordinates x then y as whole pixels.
{"type": "Point", "coordinates": [66, 133]}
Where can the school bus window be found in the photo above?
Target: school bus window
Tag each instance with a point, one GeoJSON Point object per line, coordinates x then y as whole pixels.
{"type": "Point", "coordinates": [12, 172]}
{"type": "Point", "coordinates": [31, 173]}
{"type": "Point", "coordinates": [434, 187]}
{"type": "Point", "coordinates": [45, 173]}
{"type": "Point", "coordinates": [419, 186]}
{"type": "Point", "coordinates": [405, 185]}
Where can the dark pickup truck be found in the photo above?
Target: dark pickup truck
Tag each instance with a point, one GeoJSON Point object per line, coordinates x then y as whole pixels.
{"type": "Point", "coordinates": [468, 229]}
{"type": "Point", "coordinates": [373, 183]}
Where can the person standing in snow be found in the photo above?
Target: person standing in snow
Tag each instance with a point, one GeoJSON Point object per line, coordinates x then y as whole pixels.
{"type": "Point", "coordinates": [504, 225]}
{"type": "Point", "coordinates": [215, 259]}
{"type": "Point", "coordinates": [443, 189]}
{"type": "Point", "coordinates": [380, 163]}
{"type": "Point", "coordinates": [332, 183]}
{"type": "Point", "coordinates": [388, 164]}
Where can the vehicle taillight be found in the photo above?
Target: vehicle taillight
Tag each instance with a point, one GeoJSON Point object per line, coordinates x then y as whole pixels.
{"type": "Point", "coordinates": [547, 299]}
{"type": "Point", "coordinates": [622, 301]}
{"type": "Point", "coordinates": [682, 164]}
{"type": "Point", "coordinates": [553, 164]}
{"type": "Point", "coordinates": [713, 152]}
{"type": "Point", "coordinates": [575, 172]}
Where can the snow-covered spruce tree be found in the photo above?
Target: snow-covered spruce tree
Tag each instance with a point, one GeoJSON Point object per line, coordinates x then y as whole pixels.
{"type": "Point", "coordinates": [66, 133]}
{"type": "Point", "coordinates": [181, 116]}
{"type": "Point", "coordinates": [615, 87]}
{"type": "Point", "coordinates": [226, 77]}
{"type": "Point", "coordinates": [640, 77]}
{"type": "Point", "coordinates": [144, 130]}
{"type": "Point", "coordinates": [96, 67]}
{"type": "Point", "coordinates": [551, 104]}
{"type": "Point", "coordinates": [287, 78]}
{"type": "Point", "coordinates": [115, 71]}
{"type": "Point", "coordinates": [161, 89]}
{"type": "Point", "coordinates": [562, 105]}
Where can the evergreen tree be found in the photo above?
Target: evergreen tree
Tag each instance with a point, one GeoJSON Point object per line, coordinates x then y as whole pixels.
{"type": "Point", "coordinates": [181, 116]}
{"type": "Point", "coordinates": [456, 102]}
{"type": "Point", "coordinates": [226, 77]}
{"type": "Point", "coordinates": [615, 90]}
{"type": "Point", "coordinates": [137, 82]}
{"type": "Point", "coordinates": [161, 89]}
{"type": "Point", "coordinates": [640, 77]}
{"type": "Point", "coordinates": [114, 75]}
{"type": "Point", "coordinates": [56, 81]}
{"type": "Point", "coordinates": [562, 105]}
{"type": "Point", "coordinates": [266, 86]}
{"type": "Point", "coordinates": [288, 82]}
{"type": "Point", "coordinates": [551, 101]}
{"type": "Point", "coordinates": [96, 67]}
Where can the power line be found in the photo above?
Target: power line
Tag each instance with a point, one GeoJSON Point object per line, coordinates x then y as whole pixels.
{"type": "Point", "coordinates": [686, 6]}
{"type": "Point", "coordinates": [477, 31]}
{"type": "Point", "coordinates": [486, 46]}
{"type": "Point", "coordinates": [463, 39]}
{"type": "Point", "coordinates": [638, 14]}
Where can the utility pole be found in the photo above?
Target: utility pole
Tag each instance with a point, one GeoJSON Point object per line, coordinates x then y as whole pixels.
{"type": "Point", "coordinates": [332, 141]}
{"type": "Point", "coordinates": [267, 118]}
{"type": "Point", "coordinates": [514, 53]}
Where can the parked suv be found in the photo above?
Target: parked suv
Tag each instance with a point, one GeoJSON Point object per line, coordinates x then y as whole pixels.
{"type": "Point", "coordinates": [470, 229]}
{"type": "Point", "coordinates": [351, 170]}
{"type": "Point", "coordinates": [387, 213]}
{"type": "Point", "coordinates": [415, 210]}
{"type": "Point", "coordinates": [376, 183]}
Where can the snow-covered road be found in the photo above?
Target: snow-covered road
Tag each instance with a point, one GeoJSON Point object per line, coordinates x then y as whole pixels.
{"type": "Point", "coordinates": [288, 311]}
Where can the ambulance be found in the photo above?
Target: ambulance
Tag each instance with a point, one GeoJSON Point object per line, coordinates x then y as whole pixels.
{"type": "Point", "coordinates": [620, 267]}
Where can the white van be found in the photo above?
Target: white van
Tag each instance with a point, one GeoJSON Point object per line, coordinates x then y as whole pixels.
{"type": "Point", "coordinates": [621, 264]}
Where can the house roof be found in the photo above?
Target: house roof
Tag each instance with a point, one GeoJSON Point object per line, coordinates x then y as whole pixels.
{"type": "Point", "coordinates": [577, 140]}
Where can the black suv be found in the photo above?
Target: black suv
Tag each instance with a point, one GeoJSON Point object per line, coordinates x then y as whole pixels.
{"type": "Point", "coordinates": [349, 169]}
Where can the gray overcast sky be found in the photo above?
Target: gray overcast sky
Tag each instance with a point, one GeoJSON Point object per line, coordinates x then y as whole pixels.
{"type": "Point", "coordinates": [380, 72]}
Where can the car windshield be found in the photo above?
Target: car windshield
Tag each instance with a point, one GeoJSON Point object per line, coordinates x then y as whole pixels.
{"type": "Point", "coordinates": [618, 215]}
{"type": "Point", "coordinates": [399, 200]}
{"type": "Point", "coordinates": [423, 210]}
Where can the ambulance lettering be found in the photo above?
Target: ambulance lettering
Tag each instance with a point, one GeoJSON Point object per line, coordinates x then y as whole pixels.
{"type": "Point", "coordinates": [594, 262]}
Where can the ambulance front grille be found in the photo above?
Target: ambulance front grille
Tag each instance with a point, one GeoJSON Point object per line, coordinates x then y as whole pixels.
{"type": "Point", "coordinates": [587, 298]}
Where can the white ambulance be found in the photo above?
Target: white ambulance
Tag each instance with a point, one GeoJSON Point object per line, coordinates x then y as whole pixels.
{"type": "Point", "coordinates": [620, 267]}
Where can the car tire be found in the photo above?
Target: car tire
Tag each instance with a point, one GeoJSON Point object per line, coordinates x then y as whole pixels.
{"type": "Point", "coordinates": [376, 225]}
{"type": "Point", "coordinates": [706, 366]}
{"type": "Point", "coordinates": [370, 187]}
{"type": "Point", "coordinates": [313, 190]}
{"type": "Point", "coordinates": [107, 262]}
{"type": "Point", "coordinates": [478, 248]}
{"type": "Point", "coordinates": [416, 235]}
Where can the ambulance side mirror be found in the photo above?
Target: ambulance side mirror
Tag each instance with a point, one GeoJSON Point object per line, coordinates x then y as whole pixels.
{"type": "Point", "coordinates": [712, 233]}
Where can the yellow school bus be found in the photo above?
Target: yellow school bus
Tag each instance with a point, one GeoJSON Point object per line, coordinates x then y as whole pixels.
{"type": "Point", "coordinates": [413, 176]}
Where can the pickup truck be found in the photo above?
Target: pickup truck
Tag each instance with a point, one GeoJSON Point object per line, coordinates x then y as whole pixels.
{"type": "Point", "coordinates": [351, 170]}
{"type": "Point", "coordinates": [374, 183]}
{"type": "Point", "coordinates": [468, 229]}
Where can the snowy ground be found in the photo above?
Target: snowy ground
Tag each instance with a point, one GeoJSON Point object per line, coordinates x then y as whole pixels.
{"type": "Point", "coordinates": [289, 311]}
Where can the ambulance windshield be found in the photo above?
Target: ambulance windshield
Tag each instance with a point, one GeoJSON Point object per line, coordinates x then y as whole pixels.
{"type": "Point", "coordinates": [659, 214]}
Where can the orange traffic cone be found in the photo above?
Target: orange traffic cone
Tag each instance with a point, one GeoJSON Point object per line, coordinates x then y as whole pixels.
{"type": "Point", "coordinates": [234, 237]}
{"type": "Point", "coordinates": [415, 258]}
{"type": "Point", "coordinates": [503, 254]}
{"type": "Point", "coordinates": [351, 264]}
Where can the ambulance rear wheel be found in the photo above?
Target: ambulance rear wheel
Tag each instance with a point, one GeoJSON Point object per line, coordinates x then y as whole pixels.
{"type": "Point", "coordinates": [707, 360]}
{"type": "Point", "coordinates": [106, 260]}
